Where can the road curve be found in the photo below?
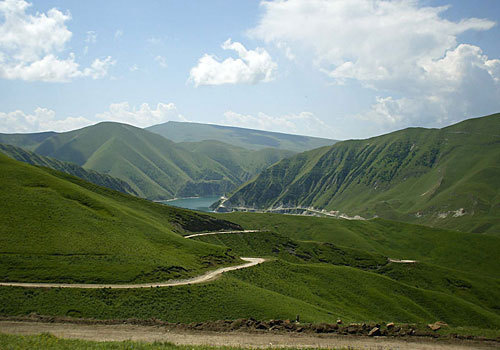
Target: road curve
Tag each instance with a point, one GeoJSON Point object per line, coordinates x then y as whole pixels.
{"type": "Point", "coordinates": [220, 232]}
{"type": "Point", "coordinates": [198, 279]}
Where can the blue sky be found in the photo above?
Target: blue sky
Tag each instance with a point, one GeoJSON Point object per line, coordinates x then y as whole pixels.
{"type": "Point", "coordinates": [339, 69]}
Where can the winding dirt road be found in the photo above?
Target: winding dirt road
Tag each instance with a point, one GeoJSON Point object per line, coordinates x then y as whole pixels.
{"type": "Point", "coordinates": [198, 279]}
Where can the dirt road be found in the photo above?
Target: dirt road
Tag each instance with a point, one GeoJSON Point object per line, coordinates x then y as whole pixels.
{"type": "Point", "coordinates": [198, 279]}
{"type": "Point", "coordinates": [220, 232]}
{"type": "Point", "coordinates": [255, 340]}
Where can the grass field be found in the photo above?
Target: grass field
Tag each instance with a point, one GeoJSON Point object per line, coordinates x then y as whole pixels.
{"type": "Point", "coordinates": [57, 228]}
{"type": "Point", "coordinates": [455, 250]}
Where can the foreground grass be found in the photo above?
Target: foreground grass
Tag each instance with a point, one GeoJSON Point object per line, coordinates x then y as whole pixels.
{"type": "Point", "coordinates": [47, 341]}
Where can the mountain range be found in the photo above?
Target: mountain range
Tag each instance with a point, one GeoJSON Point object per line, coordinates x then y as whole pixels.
{"type": "Point", "coordinates": [447, 177]}
{"type": "Point", "coordinates": [153, 166]}
{"type": "Point", "coordinates": [246, 138]}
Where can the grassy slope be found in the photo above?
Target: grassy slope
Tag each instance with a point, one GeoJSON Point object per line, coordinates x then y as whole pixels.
{"type": "Point", "coordinates": [56, 227]}
{"type": "Point", "coordinates": [66, 167]}
{"type": "Point", "coordinates": [321, 282]}
{"type": "Point", "coordinates": [244, 163]}
{"type": "Point", "coordinates": [152, 164]}
{"type": "Point", "coordinates": [246, 138]}
{"type": "Point", "coordinates": [456, 250]}
{"type": "Point", "coordinates": [470, 287]}
{"type": "Point", "coordinates": [155, 167]}
{"type": "Point", "coordinates": [411, 175]}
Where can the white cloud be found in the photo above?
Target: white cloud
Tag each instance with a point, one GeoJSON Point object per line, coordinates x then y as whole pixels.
{"type": "Point", "coordinates": [464, 83]}
{"type": "Point", "coordinates": [304, 123]}
{"type": "Point", "coordinates": [30, 44]}
{"type": "Point", "coordinates": [251, 67]}
{"type": "Point", "coordinates": [133, 68]}
{"type": "Point", "coordinates": [118, 34]}
{"type": "Point", "coordinates": [161, 61]}
{"type": "Point", "coordinates": [394, 47]}
{"type": "Point", "coordinates": [143, 116]}
{"type": "Point", "coordinates": [42, 119]}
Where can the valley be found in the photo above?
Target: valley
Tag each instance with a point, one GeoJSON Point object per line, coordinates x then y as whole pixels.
{"type": "Point", "coordinates": [82, 245]}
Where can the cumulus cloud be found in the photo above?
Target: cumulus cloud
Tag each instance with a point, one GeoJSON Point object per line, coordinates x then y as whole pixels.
{"type": "Point", "coordinates": [143, 116]}
{"type": "Point", "coordinates": [251, 67]}
{"type": "Point", "coordinates": [30, 45]}
{"type": "Point", "coordinates": [394, 47]}
{"type": "Point", "coordinates": [304, 123]}
{"type": "Point", "coordinates": [42, 119]}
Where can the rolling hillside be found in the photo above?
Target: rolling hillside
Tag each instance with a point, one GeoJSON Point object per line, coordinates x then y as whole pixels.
{"type": "Point", "coordinates": [441, 177]}
{"type": "Point", "coordinates": [243, 163]}
{"type": "Point", "coordinates": [56, 227]}
{"type": "Point", "coordinates": [241, 137]}
{"type": "Point", "coordinates": [155, 167]}
{"type": "Point", "coordinates": [319, 268]}
{"type": "Point", "coordinates": [68, 168]}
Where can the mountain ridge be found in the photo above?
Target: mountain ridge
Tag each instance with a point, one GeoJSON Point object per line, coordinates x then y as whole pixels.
{"type": "Point", "coordinates": [242, 137]}
{"type": "Point", "coordinates": [445, 177]}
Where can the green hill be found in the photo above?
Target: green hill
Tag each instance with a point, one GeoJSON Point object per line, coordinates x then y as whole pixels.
{"type": "Point", "coordinates": [68, 168]}
{"type": "Point", "coordinates": [241, 137]}
{"type": "Point", "coordinates": [57, 227]}
{"type": "Point", "coordinates": [155, 167]}
{"type": "Point", "coordinates": [243, 163]}
{"type": "Point", "coordinates": [446, 177]}
{"type": "Point", "coordinates": [320, 280]}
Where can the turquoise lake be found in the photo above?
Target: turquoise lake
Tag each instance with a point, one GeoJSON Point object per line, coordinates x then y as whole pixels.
{"type": "Point", "coordinates": [197, 203]}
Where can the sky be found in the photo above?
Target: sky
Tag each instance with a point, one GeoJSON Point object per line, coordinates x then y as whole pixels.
{"type": "Point", "coordinates": [338, 69]}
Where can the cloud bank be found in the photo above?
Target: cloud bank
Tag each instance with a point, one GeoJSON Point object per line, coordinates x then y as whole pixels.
{"type": "Point", "coordinates": [408, 53]}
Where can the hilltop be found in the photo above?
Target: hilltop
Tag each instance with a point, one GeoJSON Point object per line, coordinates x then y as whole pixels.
{"type": "Point", "coordinates": [441, 177]}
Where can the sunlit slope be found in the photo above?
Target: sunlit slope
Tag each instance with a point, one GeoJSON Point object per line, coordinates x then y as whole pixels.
{"type": "Point", "coordinates": [318, 281]}
{"type": "Point", "coordinates": [241, 137]}
{"type": "Point", "coordinates": [469, 252]}
{"type": "Point", "coordinates": [446, 177]}
{"type": "Point", "coordinates": [67, 167]}
{"type": "Point", "coordinates": [56, 227]}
